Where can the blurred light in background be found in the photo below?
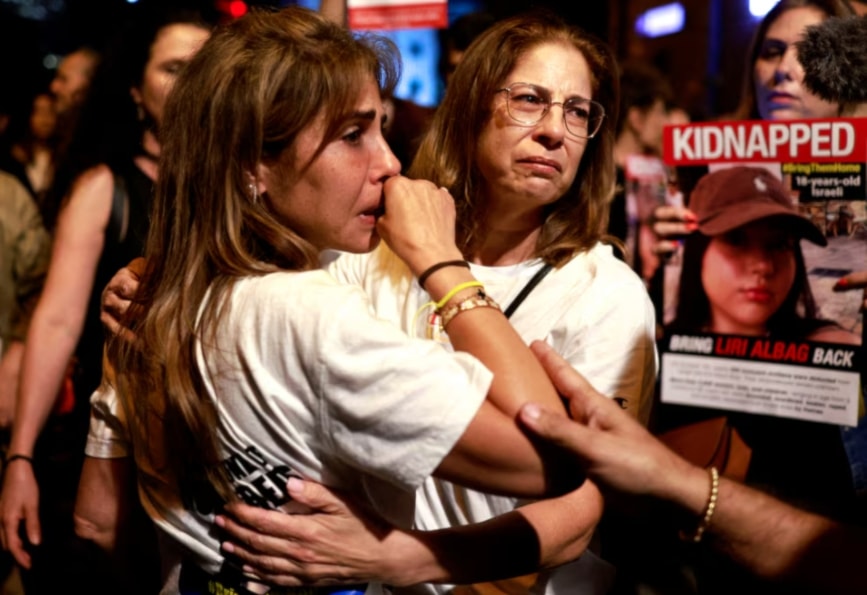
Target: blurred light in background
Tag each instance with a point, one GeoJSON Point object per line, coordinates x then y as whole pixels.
{"type": "Point", "coordinates": [232, 8]}
{"type": "Point", "coordinates": [759, 8]}
{"type": "Point", "coordinates": [661, 20]}
{"type": "Point", "coordinates": [50, 61]}
{"type": "Point", "coordinates": [37, 10]}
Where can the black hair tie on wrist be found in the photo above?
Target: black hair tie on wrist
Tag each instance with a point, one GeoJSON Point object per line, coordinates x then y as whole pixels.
{"type": "Point", "coordinates": [20, 457]}
{"type": "Point", "coordinates": [440, 265]}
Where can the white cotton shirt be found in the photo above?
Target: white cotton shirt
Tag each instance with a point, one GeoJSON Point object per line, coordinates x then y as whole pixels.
{"type": "Point", "coordinates": [594, 311]}
{"type": "Point", "coordinates": [308, 382]}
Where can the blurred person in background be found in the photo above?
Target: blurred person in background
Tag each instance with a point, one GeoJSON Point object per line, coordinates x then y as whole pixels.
{"type": "Point", "coordinates": [72, 79]}
{"type": "Point", "coordinates": [36, 149]}
{"type": "Point", "coordinates": [69, 87]}
{"type": "Point", "coordinates": [457, 37]}
{"type": "Point", "coordinates": [773, 87]}
{"type": "Point", "coordinates": [104, 182]}
{"type": "Point", "coordinates": [645, 97]}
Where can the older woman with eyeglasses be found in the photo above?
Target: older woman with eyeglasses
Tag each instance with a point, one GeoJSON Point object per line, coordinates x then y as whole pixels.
{"type": "Point", "coordinates": [523, 143]}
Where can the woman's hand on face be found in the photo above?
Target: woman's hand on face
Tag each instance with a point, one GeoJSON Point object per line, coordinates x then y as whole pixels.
{"type": "Point", "coordinates": [336, 543]}
{"type": "Point", "coordinates": [117, 297]}
{"type": "Point", "coordinates": [669, 223]}
{"type": "Point", "coordinates": [419, 222]}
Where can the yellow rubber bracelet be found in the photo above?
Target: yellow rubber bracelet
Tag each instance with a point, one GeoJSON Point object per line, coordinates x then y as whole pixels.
{"type": "Point", "coordinates": [457, 289]}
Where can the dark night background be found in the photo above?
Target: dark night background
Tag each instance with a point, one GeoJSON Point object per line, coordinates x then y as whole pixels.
{"type": "Point", "coordinates": [704, 61]}
{"type": "Point", "coordinates": [31, 30]}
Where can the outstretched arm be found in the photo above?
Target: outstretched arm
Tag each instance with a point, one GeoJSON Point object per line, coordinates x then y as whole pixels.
{"type": "Point", "coordinates": [765, 535]}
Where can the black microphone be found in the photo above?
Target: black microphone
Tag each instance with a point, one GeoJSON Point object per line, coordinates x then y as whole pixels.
{"type": "Point", "coordinates": [834, 56]}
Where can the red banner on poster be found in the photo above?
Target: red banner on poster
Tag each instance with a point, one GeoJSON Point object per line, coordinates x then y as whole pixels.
{"type": "Point", "coordinates": [397, 14]}
{"type": "Point", "coordinates": [815, 141]}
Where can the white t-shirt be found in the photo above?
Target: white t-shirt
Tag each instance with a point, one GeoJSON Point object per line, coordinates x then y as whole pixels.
{"type": "Point", "coordinates": [308, 382]}
{"type": "Point", "coordinates": [594, 311]}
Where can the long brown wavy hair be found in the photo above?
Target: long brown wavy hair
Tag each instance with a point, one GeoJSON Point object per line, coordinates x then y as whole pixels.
{"type": "Point", "coordinates": [241, 101]}
{"type": "Point", "coordinates": [447, 153]}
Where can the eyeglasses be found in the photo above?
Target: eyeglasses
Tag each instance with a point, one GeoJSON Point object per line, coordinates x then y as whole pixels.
{"type": "Point", "coordinates": [528, 104]}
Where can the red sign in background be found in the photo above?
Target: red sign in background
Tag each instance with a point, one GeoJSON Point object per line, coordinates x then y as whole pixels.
{"type": "Point", "coordinates": [396, 15]}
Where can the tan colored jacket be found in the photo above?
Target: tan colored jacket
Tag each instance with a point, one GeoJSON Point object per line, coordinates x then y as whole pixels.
{"type": "Point", "coordinates": [25, 250]}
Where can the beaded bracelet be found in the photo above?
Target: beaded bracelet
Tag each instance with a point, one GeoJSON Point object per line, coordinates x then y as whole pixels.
{"type": "Point", "coordinates": [480, 300]}
{"type": "Point", "coordinates": [709, 509]}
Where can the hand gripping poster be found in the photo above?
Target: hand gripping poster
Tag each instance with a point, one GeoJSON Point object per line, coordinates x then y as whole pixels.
{"type": "Point", "coordinates": [754, 320]}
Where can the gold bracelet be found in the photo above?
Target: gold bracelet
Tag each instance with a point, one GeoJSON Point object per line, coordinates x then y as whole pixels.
{"type": "Point", "coordinates": [709, 508]}
{"type": "Point", "coordinates": [480, 300]}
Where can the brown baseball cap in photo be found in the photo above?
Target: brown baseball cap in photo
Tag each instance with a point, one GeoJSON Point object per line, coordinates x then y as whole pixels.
{"type": "Point", "coordinates": [729, 198]}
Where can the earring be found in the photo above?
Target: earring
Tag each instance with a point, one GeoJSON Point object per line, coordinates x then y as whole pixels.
{"type": "Point", "coordinates": [254, 192]}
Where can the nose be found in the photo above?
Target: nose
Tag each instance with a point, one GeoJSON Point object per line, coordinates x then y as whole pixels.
{"type": "Point", "coordinates": [761, 261]}
{"type": "Point", "coordinates": [551, 129]}
{"type": "Point", "coordinates": [387, 164]}
{"type": "Point", "coordinates": [788, 65]}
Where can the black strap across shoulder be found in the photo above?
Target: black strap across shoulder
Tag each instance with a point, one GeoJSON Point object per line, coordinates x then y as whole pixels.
{"type": "Point", "coordinates": [540, 274]}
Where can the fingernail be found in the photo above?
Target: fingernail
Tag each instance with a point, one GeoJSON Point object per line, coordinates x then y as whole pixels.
{"type": "Point", "coordinates": [691, 225]}
{"type": "Point", "coordinates": [221, 521]}
{"type": "Point", "coordinates": [690, 216]}
{"type": "Point", "coordinates": [228, 547]}
{"type": "Point", "coordinates": [531, 411]}
{"type": "Point", "coordinates": [841, 283]}
{"type": "Point", "coordinates": [294, 484]}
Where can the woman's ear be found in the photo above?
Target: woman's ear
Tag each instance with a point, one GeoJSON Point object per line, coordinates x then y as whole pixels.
{"type": "Point", "coordinates": [259, 180]}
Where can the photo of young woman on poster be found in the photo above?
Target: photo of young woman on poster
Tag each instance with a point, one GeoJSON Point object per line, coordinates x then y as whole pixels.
{"type": "Point", "coordinates": [743, 270]}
